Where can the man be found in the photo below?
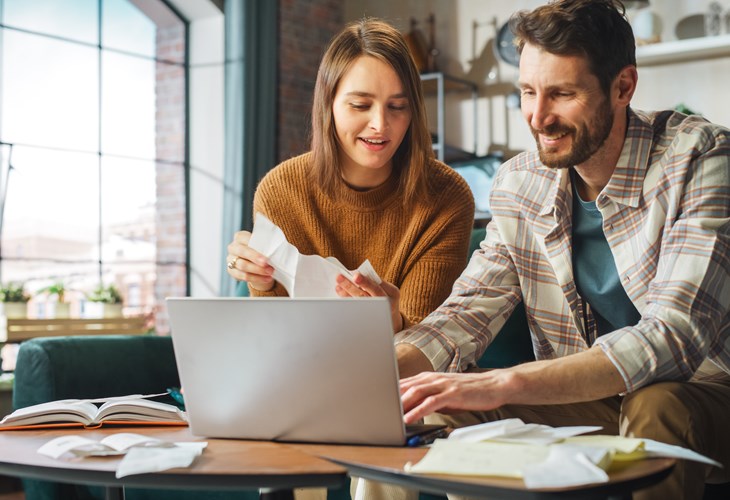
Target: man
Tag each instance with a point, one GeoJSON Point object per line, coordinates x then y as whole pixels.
{"type": "Point", "coordinates": [616, 236]}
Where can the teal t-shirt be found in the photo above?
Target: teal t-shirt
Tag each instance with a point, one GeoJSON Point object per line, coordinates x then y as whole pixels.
{"type": "Point", "coordinates": [595, 271]}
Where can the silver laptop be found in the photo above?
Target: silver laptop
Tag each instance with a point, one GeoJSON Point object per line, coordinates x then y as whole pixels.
{"type": "Point", "coordinates": [311, 370]}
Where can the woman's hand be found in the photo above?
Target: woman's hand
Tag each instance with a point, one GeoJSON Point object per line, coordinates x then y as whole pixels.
{"type": "Point", "coordinates": [365, 287]}
{"type": "Point", "coordinates": [246, 264]}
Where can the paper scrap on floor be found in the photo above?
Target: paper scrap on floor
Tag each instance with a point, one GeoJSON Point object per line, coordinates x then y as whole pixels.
{"type": "Point", "coordinates": [543, 456]}
{"type": "Point", "coordinates": [301, 275]}
{"type": "Point", "coordinates": [141, 453]}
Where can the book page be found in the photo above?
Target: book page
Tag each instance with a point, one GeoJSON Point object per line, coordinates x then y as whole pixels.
{"type": "Point", "coordinates": [55, 411]}
{"type": "Point", "coordinates": [139, 409]}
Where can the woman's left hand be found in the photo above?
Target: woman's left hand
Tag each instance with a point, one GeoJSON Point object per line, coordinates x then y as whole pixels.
{"type": "Point", "coordinates": [365, 287]}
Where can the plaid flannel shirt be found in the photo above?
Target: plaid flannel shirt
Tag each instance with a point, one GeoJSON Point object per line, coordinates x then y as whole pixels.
{"type": "Point", "coordinates": [666, 216]}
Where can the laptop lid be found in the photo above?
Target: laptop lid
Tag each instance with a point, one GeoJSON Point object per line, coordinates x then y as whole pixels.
{"type": "Point", "coordinates": [312, 370]}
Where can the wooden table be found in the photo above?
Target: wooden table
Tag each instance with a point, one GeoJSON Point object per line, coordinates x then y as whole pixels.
{"type": "Point", "coordinates": [272, 468]}
{"type": "Point", "coordinates": [276, 468]}
{"type": "Point", "coordinates": [386, 465]}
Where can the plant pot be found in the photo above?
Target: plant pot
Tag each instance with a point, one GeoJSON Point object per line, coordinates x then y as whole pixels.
{"type": "Point", "coordinates": [14, 310]}
{"type": "Point", "coordinates": [58, 310]}
{"type": "Point", "coordinates": [102, 310]}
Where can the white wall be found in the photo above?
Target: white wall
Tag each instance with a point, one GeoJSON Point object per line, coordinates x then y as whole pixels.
{"type": "Point", "coordinates": [465, 34]}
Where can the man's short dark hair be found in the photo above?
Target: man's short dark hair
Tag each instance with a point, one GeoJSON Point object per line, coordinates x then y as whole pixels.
{"type": "Point", "coordinates": [595, 29]}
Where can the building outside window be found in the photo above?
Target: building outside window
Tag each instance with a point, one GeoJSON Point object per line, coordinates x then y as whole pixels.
{"type": "Point", "coordinates": [93, 150]}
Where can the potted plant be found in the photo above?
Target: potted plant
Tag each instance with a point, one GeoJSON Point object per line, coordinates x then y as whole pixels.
{"type": "Point", "coordinates": [60, 308]}
{"type": "Point", "coordinates": [13, 301]}
{"type": "Point", "coordinates": [104, 302]}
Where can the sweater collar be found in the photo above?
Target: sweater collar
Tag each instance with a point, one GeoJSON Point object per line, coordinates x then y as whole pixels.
{"type": "Point", "coordinates": [371, 199]}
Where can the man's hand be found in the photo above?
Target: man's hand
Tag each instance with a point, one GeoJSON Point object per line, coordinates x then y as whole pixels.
{"type": "Point", "coordinates": [431, 392]}
{"type": "Point", "coordinates": [365, 287]}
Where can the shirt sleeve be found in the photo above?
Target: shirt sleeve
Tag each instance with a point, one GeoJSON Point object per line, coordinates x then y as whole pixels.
{"type": "Point", "coordinates": [456, 334]}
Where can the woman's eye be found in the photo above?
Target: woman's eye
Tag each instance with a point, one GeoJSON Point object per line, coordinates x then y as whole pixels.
{"type": "Point", "coordinates": [359, 105]}
{"type": "Point", "coordinates": [398, 107]}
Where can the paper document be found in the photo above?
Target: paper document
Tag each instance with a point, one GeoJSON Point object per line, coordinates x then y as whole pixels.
{"type": "Point", "coordinates": [301, 275]}
{"type": "Point", "coordinates": [514, 430]}
{"type": "Point", "coordinates": [478, 459]}
{"type": "Point", "coordinates": [543, 456]}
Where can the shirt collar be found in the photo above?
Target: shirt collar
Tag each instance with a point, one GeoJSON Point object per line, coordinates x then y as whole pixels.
{"type": "Point", "coordinates": [626, 184]}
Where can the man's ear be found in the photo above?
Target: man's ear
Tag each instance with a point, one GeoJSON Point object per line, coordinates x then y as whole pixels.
{"type": "Point", "coordinates": [624, 85]}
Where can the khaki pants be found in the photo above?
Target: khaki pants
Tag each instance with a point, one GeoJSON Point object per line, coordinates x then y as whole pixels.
{"type": "Point", "coordinates": [694, 415]}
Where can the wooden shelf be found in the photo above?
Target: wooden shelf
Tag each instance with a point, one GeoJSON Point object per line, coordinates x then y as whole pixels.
{"type": "Point", "coordinates": [439, 84]}
{"type": "Point", "coordinates": [18, 330]}
{"type": "Point", "coordinates": [677, 51]}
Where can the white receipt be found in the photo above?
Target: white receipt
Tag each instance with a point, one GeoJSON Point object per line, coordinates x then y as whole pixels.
{"type": "Point", "coordinates": [141, 453]}
{"type": "Point", "coordinates": [301, 275]}
{"type": "Point", "coordinates": [115, 444]}
{"type": "Point", "coordinates": [143, 460]}
{"type": "Point", "coordinates": [514, 430]}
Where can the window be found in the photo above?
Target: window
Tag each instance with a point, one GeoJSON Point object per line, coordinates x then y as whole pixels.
{"type": "Point", "coordinates": [92, 150]}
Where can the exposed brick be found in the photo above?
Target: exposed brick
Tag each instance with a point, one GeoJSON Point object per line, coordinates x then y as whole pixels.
{"type": "Point", "coordinates": [305, 28]}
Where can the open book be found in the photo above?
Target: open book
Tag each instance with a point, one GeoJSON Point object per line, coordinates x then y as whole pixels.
{"type": "Point", "coordinates": [84, 413]}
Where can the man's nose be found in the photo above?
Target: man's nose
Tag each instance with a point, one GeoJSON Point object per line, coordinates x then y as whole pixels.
{"type": "Point", "coordinates": [542, 113]}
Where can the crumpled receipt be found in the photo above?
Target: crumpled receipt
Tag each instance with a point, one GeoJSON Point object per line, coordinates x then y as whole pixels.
{"type": "Point", "coordinates": [301, 275]}
{"type": "Point", "coordinates": [141, 453]}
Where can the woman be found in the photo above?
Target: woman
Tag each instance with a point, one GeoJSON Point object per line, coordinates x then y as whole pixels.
{"type": "Point", "coordinates": [370, 188]}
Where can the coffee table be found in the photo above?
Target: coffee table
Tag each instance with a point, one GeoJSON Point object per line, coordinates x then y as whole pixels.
{"type": "Point", "coordinates": [387, 465]}
{"type": "Point", "coordinates": [272, 468]}
{"type": "Point", "coordinates": [276, 468]}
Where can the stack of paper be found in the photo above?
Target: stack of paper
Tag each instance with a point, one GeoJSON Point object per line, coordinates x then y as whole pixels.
{"type": "Point", "coordinates": [543, 456]}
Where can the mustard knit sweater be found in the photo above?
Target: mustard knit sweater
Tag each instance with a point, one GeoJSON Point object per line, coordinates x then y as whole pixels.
{"type": "Point", "coordinates": [421, 250]}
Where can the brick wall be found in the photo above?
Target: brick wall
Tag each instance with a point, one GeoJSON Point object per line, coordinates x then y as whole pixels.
{"type": "Point", "coordinates": [170, 272]}
{"type": "Point", "coordinates": [305, 28]}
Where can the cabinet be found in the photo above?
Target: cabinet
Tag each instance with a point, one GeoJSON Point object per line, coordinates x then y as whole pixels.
{"type": "Point", "coordinates": [439, 84]}
{"type": "Point", "coordinates": [676, 51]}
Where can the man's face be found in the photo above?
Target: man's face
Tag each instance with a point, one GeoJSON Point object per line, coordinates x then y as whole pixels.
{"type": "Point", "coordinates": [565, 107]}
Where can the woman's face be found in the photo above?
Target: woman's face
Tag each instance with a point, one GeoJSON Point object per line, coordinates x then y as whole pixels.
{"type": "Point", "coordinates": [372, 115]}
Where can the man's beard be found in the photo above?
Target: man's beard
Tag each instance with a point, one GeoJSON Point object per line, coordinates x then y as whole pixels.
{"type": "Point", "coordinates": [585, 143]}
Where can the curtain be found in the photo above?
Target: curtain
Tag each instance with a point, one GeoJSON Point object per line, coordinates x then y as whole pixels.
{"type": "Point", "coordinates": [250, 112]}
